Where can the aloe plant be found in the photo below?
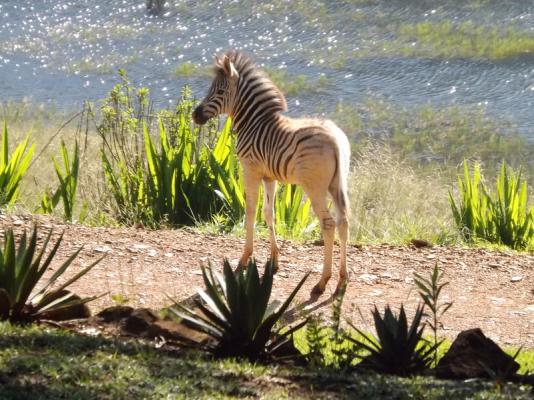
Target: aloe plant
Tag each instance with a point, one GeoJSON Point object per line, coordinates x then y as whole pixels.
{"type": "Point", "coordinates": [13, 168]}
{"type": "Point", "coordinates": [235, 312]}
{"type": "Point", "coordinates": [293, 216]}
{"type": "Point", "coordinates": [505, 219]}
{"type": "Point", "coordinates": [68, 182]}
{"type": "Point", "coordinates": [514, 220]}
{"type": "Point", "coordinates": [21, 269]}
{"type": "Point", "coordinates": [397, 349]}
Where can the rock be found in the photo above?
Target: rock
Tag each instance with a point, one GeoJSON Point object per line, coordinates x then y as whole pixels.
{"type": "Point", "coordinates": [77, 311]}
{"type": "Point", "coordinates": [473, 355]}
{"type": "Point", "coordinates": [115, 313]}
{"type": "Point", "coordinates": [172, 330]}
{"type": "Point", "coordinates": [419, 243]}
{"type": "Point", "coordinates": [139, 321]}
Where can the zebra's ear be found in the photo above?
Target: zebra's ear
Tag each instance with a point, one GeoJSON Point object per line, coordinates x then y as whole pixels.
{"type": "Point", "coordinates": [229, 68]}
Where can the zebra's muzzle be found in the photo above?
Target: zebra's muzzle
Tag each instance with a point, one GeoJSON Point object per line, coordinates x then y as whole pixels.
{"type": "Point", "coordinates": [198, 116]}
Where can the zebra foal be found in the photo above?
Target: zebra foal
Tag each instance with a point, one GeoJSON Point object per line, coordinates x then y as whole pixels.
{"type": "Point", "coordinates": [271, 147]}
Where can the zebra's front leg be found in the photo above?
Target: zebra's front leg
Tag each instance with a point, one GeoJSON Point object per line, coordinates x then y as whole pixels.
{"type": "Point", "coordinates": [252, 183]}
{"type": "Point", "coordinates": [269, 189]}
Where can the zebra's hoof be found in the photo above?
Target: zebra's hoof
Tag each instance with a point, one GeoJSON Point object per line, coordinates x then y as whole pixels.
{"type": "Point", "coordinates": [317, 290]}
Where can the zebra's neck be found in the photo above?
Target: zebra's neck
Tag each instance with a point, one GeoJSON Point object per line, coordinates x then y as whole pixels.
{"type": "Point", "coordinates": [254, 134]}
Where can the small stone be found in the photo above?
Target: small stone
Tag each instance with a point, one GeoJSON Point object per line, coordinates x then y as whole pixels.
{"type": "Point", "coordinates": [368, 278]}
{"type": "Point", "coordinates": [493, 265]}
{"type": "Point", "coordinates": [141, 246]}
{"type": "Point", "coordinates": [419, 243]}
{"type": "Point", "coordinates": [115, 313]}
{"type": "Point", "coordinates": [517, 278]}
{"type": "Point", "coordinates": [102, 249]}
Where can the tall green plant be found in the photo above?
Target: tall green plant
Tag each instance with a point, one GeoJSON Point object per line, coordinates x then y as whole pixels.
{"type": "Point", "coordinates": [68, 183]}
{"type": "Point", "coordinates": [190, 182]}
{"type": "Point", "coordinates": [504, 219]}
{"type": "Point", "coordinates": [13, 167]}
{"type": "Point", "coordinates": [430, 290]}
{"type": "Point", "coordinates": [514, 221]}
{"type": "Point", "coordinates": [119, 126]}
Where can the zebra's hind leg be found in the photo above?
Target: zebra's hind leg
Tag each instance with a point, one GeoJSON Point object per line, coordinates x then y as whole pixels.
{"type": "Point", "coordinates": [340, 198]}
{"type": "Point", "coordinates": [269, 189]}
{"type": "Point", "coordinates": [252, 183]}
{"type": "Point", "coordinates": [328, 227]}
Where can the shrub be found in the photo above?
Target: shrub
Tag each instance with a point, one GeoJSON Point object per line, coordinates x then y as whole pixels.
{"type": "Point", "coordinates": [185, 177]}
{"type": "Point", "coordinates": [235, 311]}
{"type": "Point", "coordinates": [22, 268]}
{"type": "Point", "coordinates": [430, 290]}
{"type": "Point", "coordinates": [504, 219]}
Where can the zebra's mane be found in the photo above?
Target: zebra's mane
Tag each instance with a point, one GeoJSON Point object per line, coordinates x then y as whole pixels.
{"type": "Point", "coordinates": [247, 69]}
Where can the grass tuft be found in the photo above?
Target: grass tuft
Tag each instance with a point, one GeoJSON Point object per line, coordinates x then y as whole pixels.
{"type": "Point", "coordinates": [464, 40]}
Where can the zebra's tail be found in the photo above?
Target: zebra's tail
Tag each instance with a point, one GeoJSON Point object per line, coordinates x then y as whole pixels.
{"type": "Point", "coordinates": [339, 184]}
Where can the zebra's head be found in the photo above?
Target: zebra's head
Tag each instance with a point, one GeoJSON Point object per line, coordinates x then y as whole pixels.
{"type": "Point", "coordinates": [220, 97]}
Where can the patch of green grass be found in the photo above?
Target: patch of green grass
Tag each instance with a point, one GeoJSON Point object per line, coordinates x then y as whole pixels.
{"type": "Point", "coordinates": [393, 202]}
{"type": "Point", "coordinates": [293, 85]}
{"type": "Point", "coordinates": [188, 70]}
{"type": "Point", "coordinates": [437, 138]}
{"type": "Point", "coordinates": [42, 363]}
{"type": "Point", "coordinates": [48, 127]}
{"type": "Point", "coordinates": [464, 40]}
{"type": "Point", "coordinates": [97, 64]}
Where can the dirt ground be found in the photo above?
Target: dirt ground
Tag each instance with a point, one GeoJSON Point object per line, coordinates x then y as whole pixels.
{"type": "Point", "coordinates": [493, 290]}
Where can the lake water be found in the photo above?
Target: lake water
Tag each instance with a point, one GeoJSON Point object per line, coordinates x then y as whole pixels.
{"type": "Point", "coordinates": [65, 52]}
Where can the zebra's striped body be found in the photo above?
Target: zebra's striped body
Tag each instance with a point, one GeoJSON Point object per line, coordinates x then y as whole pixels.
{"type": "Point", "coordinates": [313, 153]}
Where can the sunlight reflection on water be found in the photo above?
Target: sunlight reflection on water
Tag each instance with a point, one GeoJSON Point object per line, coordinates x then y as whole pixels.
{"type": "Point", "coordinates": [65, 52]}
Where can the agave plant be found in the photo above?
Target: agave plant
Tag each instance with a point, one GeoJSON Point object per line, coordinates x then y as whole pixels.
{"type": "Point", "coordinates": [397, 349]}
{"type": "Point", "coordinates": [501, 218]}
{"type": "Point", "coordinates": [22, 268]}
{"type": "Point", "coordinates": [13, 167]}
{"type": "Point", "coordinates": [235, 312]}
{"type": "Point", "coordinates": [68, 182]}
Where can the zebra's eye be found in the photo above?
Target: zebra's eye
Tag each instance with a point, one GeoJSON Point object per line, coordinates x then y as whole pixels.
{"type": "Point", "coordinates": [220, 91]}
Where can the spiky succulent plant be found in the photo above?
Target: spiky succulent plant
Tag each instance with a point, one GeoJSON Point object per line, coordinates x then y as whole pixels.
{"type": "Point", "coordinates": [22, 268]}
{"type": "Point", "coordinates": [234, 310]}
{"type": "Point", "coordinates": [397, 349]}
